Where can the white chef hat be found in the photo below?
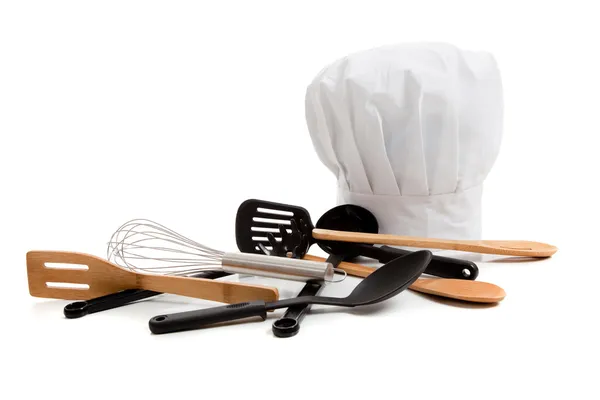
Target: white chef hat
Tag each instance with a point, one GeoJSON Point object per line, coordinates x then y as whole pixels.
{"type": "Point", "coordinates": [410, 131]}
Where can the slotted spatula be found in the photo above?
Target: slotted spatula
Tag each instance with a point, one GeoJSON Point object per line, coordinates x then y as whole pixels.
{"type": "Point", "coordinates": [81, 276]}
{"type": "Point", "coordinates": [255, 218]}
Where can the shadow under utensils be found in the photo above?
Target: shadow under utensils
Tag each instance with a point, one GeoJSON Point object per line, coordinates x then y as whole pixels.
{"type": "Point", "coordinates": [455, 302]}
{"type": "Point", "coordinates": [513, 260]}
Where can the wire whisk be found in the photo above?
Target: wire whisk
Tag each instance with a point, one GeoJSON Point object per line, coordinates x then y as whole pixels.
{"type": "Point", "coordinates": [142, 245]}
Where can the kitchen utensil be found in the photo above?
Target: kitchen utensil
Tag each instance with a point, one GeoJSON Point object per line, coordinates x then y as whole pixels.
{"type": "Point", "coordinates": [289, 324]}
{"type": "Point", "coordinates": [459, 289]}
{"type": "Point", "coordinates": [292, 242]}
{"type": "Point", "coordinates": [443, 267]}
{"type": "Point", "coordinates": [359, 219]}
{"type": "Point", "coordinates": [470, 291]}
{"type": "Point", "coordinates": [95, 277]}
{"type": "Point", "coordinates": [82, 308]}
{"type": "Point", "coordinates": [256, 217]}
{"type": "Point", "coordinates": [480, 292]}
{"type": "Point", "coordinates": [144, 245]}
{"type": "Point", "coordinates": [382, 284]}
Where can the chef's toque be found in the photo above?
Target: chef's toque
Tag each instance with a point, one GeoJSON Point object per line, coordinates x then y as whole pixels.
{"type": "Point", "coordinates": [411, 132]}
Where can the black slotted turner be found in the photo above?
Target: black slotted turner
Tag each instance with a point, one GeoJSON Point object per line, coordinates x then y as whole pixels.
{"type": "Point", "coordinates": [257, 218]}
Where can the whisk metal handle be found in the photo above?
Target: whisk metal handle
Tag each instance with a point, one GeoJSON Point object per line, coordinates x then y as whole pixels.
{"type": "Point", "coordinates": [277, 267]}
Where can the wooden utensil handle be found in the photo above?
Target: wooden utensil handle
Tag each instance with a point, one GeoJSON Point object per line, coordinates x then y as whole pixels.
{"type": "Point", "coordinates": [223, 292]}
{"type": "Point", "coordinates": [502, 247]}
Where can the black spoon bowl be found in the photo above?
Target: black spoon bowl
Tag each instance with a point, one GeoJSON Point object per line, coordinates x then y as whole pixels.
{"type": "Point", "coordinates": [350, 218]}
{"type": "Point", "coordinates": [385, 282]}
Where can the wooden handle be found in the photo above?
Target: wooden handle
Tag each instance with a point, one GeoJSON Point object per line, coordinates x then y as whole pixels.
{"type": "Point", "coordinates": [502, 247]}
{"type": "Point", "coordinates": [223, 292]}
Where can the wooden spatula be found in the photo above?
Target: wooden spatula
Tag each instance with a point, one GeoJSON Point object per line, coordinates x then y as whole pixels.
{"type": "Point", "coordinates": [82, 277]}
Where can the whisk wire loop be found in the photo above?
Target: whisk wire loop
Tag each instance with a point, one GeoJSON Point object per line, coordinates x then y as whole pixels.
{"type": "Point", "coordinates": [145, 245]}
{"type": "Point", "coordinates": [142, 245]}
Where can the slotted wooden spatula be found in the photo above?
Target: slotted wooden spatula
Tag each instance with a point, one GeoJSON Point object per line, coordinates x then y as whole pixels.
{"type": "Point", "coordinates": [78, 276]}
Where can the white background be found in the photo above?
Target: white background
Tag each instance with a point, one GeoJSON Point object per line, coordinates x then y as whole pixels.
{"type": "Point", "coordinates": [179, 111]}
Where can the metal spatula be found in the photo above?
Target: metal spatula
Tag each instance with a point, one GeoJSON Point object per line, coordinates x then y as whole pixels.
{"type": "Point", "coordinates": [256, 218]}
{"type": "Point", "coordinates": [82, 277]}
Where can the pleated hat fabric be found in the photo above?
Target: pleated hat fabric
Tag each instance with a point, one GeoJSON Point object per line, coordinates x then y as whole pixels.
{"type": "Point", "coordinates": [410, 131]}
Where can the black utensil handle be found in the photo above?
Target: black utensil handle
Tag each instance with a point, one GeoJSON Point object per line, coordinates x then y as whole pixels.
{"type": "Point", "coordinates": [79, 309]}
{"type": "Point", "coordinates": [444, 267]}
{"type": "Point", "coordinates": [452, 268]}
{"type": "Point", "coordinates": [289, 324]}
{"type": "Point", "coordinates": [200, 318]}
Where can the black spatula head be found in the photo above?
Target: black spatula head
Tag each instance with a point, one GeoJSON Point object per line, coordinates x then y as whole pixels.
{"type": "Point", "coordinates": [256, 219]}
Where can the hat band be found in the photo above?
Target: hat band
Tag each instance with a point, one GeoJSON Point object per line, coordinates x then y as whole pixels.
{"type": "Point", "coordinates": [449, 216]}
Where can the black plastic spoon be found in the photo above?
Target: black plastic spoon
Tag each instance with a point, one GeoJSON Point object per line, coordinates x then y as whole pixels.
{"type": "Point", "coordinates": [384, 283]}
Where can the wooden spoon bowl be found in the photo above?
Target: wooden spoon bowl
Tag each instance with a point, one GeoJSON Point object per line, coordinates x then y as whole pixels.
{"type": "Point", "coordinates": [458, 289]}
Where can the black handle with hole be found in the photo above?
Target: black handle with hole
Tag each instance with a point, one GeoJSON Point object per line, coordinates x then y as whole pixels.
{"type": "Point", "coordinates": [79, 309]}
{"type": "Point", "coordinates": [201, 318]}
{"type": "Point", "coordinates": [289, 324]}
{"type": "Point", "coordinates": [443, 267]}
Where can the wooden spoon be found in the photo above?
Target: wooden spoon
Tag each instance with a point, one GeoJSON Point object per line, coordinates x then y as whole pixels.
{"type": "Point", "coordinates": [459, 289]}
{"type": "Point", "coordinates": [523, 248]}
